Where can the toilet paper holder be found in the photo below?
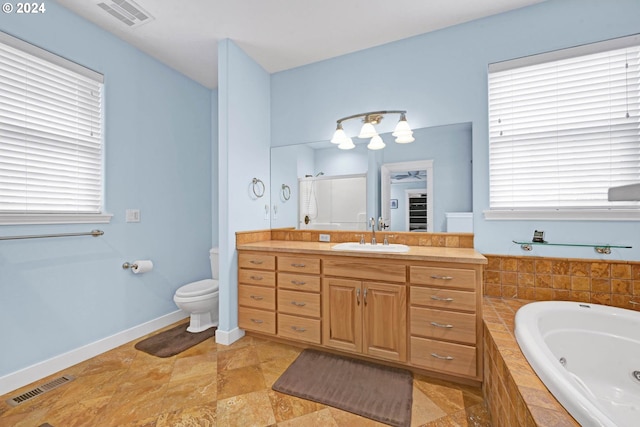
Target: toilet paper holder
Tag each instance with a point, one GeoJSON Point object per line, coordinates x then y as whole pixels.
{"type": "Point", "coordinates": [127, 265]}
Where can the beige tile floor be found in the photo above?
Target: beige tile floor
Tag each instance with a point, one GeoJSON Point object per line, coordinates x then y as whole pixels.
{"type": "Point", "coordinates": [211, 385]}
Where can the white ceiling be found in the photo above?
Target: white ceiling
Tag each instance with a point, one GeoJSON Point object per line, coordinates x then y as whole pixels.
{"type": "Point", "coordinates": [280, 34]}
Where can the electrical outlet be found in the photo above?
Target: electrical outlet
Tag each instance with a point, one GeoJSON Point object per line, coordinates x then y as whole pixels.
{"type": "Point", "coordinates": [133, 215]}
{"type": "Point", "coordinates": [325, 237]}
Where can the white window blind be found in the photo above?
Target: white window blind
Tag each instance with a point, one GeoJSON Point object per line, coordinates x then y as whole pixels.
{"type": "Point", "coordinates": [564, 127]}
{"type": "Point", "coordinates": [50, 133]}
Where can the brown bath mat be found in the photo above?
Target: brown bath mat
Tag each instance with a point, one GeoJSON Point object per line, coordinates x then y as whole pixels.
{"type": "Point", "coordinates": [173, 341]}
{"type": "Point", "coordinates": [374, 391]}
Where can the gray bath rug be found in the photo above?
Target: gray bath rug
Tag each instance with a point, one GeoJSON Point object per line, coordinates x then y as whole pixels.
{"type": "Point", "coordinates": [173, 341]}
{"type": "Point", "coordinates": [379, 392]}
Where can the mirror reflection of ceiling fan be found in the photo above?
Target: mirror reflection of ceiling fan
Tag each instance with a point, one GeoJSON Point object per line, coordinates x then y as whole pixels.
{"type": "Point", "coordinates": [409, 176]}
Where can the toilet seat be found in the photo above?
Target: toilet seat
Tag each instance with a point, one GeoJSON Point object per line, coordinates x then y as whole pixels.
{"type": "Point", "coordinates": [195, 289]}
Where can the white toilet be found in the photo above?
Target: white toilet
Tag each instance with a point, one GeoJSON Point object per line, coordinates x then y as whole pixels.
{"type": "Point", "coordinates": [200, 299]}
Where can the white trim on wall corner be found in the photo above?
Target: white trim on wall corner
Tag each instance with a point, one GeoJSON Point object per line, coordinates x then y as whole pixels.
{"type": "Point", "coordinates": [47, 367]}
{"type": "Point", "coordinates": [229, 337]}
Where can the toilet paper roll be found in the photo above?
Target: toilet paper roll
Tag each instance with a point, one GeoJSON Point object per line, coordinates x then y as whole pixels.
{"type": "Point", "coordinates": [142, 266]}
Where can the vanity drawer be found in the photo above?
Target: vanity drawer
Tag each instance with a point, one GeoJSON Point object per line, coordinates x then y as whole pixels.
{"type": "Point", "coordinates": [445, 325]}
{"type": "Point", "coordinates": [257, 261]}
{"type": "Point", "coordinates": [299, 303]}
{"type": "Point", "coordinates": [443, 356]}
{"type": "Point", "coordinates": [257, 297]}
{"type": "Point", "coordinates": [299, 328]}
{"type": "Point", "coordinates": [443, 277]}
{"type": "Point", "coordinates": [370, 269]}
{"type": "Point", "coordinates": [443, 298]}
{"type": "Point", "coordinates": [253, 319]}
{"type": "Point", "coordinates": [257, 277]}
{"type": "Point", "coordinates": [299, 264]}
{"type": "Point", "coordinates": [299, 282]}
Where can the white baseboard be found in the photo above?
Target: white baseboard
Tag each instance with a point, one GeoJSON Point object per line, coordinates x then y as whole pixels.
{"type": "Point", "coordinates": [229, 337]}
{"type": "Point", "coordinates": [47, 367]}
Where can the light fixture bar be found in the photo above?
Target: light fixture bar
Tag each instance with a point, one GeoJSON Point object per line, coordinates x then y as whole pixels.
{"type": "Point", "coordinates": [372, 113]}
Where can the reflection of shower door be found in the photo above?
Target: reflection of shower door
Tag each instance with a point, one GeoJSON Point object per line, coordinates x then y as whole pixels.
{"type": "Point", "coordinates": [417, 211]}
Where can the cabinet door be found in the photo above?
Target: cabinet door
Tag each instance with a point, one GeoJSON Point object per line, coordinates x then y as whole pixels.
{"type": "Point", "coordinates": [342, 314]}
{"type": "Point", "coordinates": [385, 320]}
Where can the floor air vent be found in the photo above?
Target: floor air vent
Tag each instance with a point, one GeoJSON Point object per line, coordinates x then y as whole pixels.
{"type": "Point", "coordinates": [15, 401]}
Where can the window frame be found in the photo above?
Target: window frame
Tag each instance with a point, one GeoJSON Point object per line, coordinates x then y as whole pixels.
{"type": "Point", "coordinates": [53, 217]}
{"type": "Point", "coordinates": [626, 213]}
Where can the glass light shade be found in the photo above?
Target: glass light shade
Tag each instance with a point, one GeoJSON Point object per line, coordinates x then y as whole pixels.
{"type": "Point", "coordinates": [347, 144]}
{"type": "Point", "coordinates": [376, 143]}
{"type": "Point", "coordinates": [367, 131]}
{"type": "Point", "coordinates": [339, 136]}
{"type": "Point", "coordinates": [402, 128]}
{"type": "Point", "coordinates": [405, 139]}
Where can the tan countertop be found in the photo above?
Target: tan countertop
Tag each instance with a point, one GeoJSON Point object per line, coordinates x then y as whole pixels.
{"type": "Point", "coordinates": [421, 253]}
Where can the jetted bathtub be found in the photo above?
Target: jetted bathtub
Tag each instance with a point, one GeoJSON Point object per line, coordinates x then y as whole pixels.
{"type": "Point", "coordinates": [588, 356]}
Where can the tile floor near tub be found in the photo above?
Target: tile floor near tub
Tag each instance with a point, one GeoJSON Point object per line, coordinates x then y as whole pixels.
{"type": "Point", "coordinates": [213, 385]}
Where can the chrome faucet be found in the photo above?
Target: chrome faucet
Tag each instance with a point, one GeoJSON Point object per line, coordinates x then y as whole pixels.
{"type": "Point", "coordinates": [372, 223]}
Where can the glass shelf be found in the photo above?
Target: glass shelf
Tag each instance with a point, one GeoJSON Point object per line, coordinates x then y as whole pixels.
{"type": "Point", "coordinates": [601, 249]}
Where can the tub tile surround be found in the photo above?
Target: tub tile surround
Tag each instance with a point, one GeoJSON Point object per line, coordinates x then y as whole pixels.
{"type": "Point", "coordinates": [614, 283]}
{"type": "Point", "coordinates": [513, 392]}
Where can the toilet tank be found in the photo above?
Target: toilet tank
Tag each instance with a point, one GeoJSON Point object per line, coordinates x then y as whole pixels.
{"type": "Point", "coordinates": [215, 270]}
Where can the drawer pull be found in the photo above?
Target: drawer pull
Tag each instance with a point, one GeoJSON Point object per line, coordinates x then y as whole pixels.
{"type": "Point", "coordinates": [437, 298]}
{"type": "Point", "coordinates": [298, 265]}
{"type": "Point", "coordinates": [437, 276]}
{"type": "Point", "coordinates": [256, 277]}
{"type": "Point", "coordinates": [440, 325]}
{"type": "Point", "coordinates": [437, 356]}
{"type": "Point", "coordinates": [257, 321]}
{"type": "Point", "coordinates": [298, 282]}
{"type": "Point", "coordinates": [297, 329]}
{"type": "Point", "coordinates": [257, 297]}
{"type": "Point", "coordinates": [299, 304]}
{"type": "Point", "coordinates": [365, 296]}
{"type": "Point", "coordinates": [358, 296]}
{"type": "Point", "coordinates": [256, 261]}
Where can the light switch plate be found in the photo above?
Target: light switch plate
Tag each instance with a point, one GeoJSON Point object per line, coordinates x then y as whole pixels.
{"type": "Point", "coordinates": [133, 215]}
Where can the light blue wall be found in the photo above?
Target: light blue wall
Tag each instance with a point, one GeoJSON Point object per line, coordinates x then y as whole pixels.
{"type": "Point", "coordinates": [59, 294]}
{"type": "Point", "coordinates": [244, 129]}
{"type": "Point", "coordinates": [440, 78]}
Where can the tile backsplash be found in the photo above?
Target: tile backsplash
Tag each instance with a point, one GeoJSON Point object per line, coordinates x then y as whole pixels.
{"type": "Point", "coordinates": [615, 283]}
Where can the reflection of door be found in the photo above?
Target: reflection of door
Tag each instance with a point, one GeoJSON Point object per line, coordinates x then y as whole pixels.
{"type": "Point", "coordinates": [417, 211]}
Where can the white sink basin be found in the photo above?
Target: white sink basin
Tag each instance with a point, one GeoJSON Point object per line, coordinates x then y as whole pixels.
{"type": "Point", "coordinates": [368, 247]}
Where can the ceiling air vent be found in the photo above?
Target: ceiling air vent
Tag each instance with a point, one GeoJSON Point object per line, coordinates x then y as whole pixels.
{"type": "Point", "coordinates": [127, 12]}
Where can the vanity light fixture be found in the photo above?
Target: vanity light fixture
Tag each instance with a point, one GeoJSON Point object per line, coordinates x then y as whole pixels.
{"type": "Point", "coordinates": [402, 132]}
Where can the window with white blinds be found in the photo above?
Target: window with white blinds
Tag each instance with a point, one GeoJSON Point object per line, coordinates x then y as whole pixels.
{"type": "Point", "coordinates": [564, 127]}
{"type": "Point", "coordinates": [50, 133]}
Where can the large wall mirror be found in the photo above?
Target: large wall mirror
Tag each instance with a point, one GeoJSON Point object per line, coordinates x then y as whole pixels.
{"type": "Point", "coordinates": [432, 174]}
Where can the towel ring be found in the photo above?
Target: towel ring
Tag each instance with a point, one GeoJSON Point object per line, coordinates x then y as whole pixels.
{"type": "Point", "coordinates": [256, 184]}
{"type": "Point", "coordinates": [286, 192]}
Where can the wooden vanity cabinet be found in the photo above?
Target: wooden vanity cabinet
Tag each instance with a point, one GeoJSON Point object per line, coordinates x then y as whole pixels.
{"type": "Point", "coordinates": [445, 318]}
{"type": "Point", "coordinates": [298, 299]}
{"type": "Point", "coordinates": [364, 316]}
{"type": "Point", "coordinates": [421, 314]}
{"type": "Point", "coordinates": [257, 292]}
